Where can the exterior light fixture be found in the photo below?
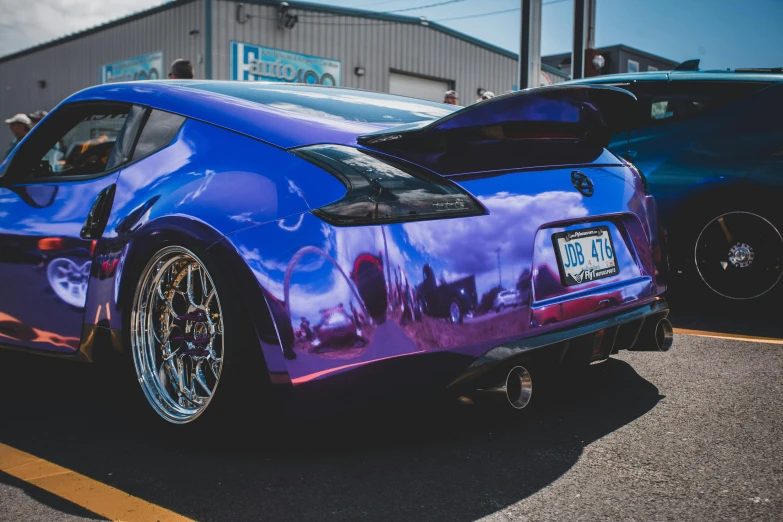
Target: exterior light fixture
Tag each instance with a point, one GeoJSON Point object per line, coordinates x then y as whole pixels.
{"type": "Point", "coordinates": [359, 71]}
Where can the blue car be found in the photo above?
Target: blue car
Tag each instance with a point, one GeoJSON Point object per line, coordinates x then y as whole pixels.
{"type": "Point", "coordinates": [241, 244]}
{"type": "Point", "coordinates": [711, 147]}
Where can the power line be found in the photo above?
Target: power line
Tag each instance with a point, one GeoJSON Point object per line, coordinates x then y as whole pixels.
{"type": "Point", "coordinates": [373, 3]}
{"type": "Point", "coordinates": [476, 15]}
{"type": "Point", "coordinates": [491, 12]}
{"type": "Point", "coordinates": [383, 22]}
{"type": "Point", "coordinates": [424, 6]}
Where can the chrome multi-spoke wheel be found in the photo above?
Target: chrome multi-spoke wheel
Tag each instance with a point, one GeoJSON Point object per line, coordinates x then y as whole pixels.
{"type": "Point", "coordinates": [177, 335]}
{"type": "Point", "coordinates": [739, 255]}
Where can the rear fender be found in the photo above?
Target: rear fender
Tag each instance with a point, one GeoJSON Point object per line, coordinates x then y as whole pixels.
{"type": "Point", "coordinates": [111, 293]}
{"type": "Point", "coordinates": [119, 262]}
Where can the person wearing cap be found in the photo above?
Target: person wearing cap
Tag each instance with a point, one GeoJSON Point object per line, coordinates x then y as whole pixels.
{"type": "Point", "coordinates": [451, 98]}
{"type": "Point", "coordinates": [36, 116]}
{"type": "Point", "coordinates": [181, 69]}
{"type": "Point", "coordinates": [20, 125]}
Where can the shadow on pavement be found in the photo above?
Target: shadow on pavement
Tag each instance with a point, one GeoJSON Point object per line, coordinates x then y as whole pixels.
{"type": "Point", "coordinates": [415, 463]}
{"type": "Point", "coordinates": [12, 512]}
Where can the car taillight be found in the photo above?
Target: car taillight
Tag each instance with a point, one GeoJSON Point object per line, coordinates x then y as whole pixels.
{"type": "Point", "coordinates": [384, 190]}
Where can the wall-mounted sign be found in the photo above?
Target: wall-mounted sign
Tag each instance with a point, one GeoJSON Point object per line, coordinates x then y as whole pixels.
{"type": "Point", "coordinates": [146, 67]}
{"type": "Point", "coordinates": [253, 62]}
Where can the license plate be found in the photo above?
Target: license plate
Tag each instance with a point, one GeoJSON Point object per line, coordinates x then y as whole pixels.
{"type": "Point", "coordinates": [585, 255]}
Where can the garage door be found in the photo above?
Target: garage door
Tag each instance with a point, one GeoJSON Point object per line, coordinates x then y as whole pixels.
{"type": "Point", "coordinates": [417, 87]}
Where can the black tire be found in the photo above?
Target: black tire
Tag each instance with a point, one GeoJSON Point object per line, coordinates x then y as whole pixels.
{"type": "Point", "coordinates": [243, 391]}
{"type": "Point", "coordinates": [455, 312]}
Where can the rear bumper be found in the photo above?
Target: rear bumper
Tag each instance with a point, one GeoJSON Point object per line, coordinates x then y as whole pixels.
{"type": "Point", "coordinates": [419, 376]}
{"type": "Point", "coordinates": [588, 342]}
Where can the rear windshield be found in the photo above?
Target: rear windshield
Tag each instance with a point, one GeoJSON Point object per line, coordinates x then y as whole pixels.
{"type": "Point", "coordinates": [330, 103]}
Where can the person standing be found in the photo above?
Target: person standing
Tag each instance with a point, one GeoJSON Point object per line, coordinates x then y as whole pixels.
{"type": "Point", "coordinates": [36, 116]}
{"type": "Point", "coordinates": [181, 69]}
{"type": "Point", "coordinates": [451, 98]}
{"type": "Point", "coordinates": [20, 125]}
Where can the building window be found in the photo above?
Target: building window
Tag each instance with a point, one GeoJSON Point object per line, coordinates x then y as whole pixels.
{"type": "Point", "coordinates": [651, 68]}
{"type": "Point", "coordinates": [633, 66]}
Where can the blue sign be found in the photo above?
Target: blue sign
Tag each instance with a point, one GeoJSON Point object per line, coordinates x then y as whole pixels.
{"type": "Point", "coordinates": [253, 62]}
{"type": "Point", "coordinates": [146, 67]}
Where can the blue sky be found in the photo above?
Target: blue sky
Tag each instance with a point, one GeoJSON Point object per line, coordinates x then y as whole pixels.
{"type": "Point", "coordinates": [722, 33]}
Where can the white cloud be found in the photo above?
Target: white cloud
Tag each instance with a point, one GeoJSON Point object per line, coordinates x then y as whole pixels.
{"type": "Point", "coordinates": [471, 244]}
{"type": "Point", "coordinates": [305, 300]}
{"type": "Point", "coordinates": [24, 24]}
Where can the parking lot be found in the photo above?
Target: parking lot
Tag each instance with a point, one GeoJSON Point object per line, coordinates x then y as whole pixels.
{"type": "Point", "coordinates": [694, 433]}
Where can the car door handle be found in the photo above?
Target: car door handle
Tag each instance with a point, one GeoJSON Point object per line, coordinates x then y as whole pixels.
{"type": "Point", "coordinates": [99, 214]}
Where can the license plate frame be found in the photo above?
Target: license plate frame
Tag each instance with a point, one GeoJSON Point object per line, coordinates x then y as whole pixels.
{"type": "Point", "coordinates": [566, 278]}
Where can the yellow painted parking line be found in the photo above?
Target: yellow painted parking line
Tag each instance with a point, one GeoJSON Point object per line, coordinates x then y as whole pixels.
{"type": "Point", "coordinates": [732, 337]}
{"type": "Point", "coordinates": [90, 494]}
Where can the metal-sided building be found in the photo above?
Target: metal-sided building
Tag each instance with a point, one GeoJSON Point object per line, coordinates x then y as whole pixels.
{"type": "Point", "coordinates": [263, 40]}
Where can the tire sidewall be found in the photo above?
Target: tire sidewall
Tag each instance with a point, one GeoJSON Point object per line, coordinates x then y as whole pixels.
{"type": "Point", "coordinates": [240, 354]}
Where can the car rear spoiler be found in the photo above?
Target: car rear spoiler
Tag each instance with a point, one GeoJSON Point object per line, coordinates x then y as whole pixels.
{"type": "Point", "coordinates": [530, 128]}
{"type": "Point", "coordinates": [569, 112]}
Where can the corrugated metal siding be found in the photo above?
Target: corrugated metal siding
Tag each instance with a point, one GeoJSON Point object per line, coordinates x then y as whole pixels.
{"type": "Point", "coordinates": [378, 46]}
{"type": "Point", "coordinates": [73, 65]}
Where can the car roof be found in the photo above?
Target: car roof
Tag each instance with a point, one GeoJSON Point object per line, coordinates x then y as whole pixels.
{"type": "Point", "coordinates": [673, 76]}
{"type": "Point", "coordinates": [198, 99]}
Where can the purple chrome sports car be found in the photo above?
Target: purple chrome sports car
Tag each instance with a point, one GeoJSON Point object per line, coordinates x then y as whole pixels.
{"type": "Point", "coordinates": [201, 228]}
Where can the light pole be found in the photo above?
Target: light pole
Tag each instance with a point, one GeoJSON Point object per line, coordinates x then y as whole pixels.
{"type": "Point", "coordinates": [584, 35]}
{"type": "Point", "coordinates": [530, 44]}
{"type": "Point", "coordinates": [500, 278]}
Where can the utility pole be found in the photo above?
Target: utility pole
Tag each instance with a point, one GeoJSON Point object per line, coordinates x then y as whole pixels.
{"type": "Point", "coordinates": [584, 35]}
{"type": "Point", "coordinates": [500, 278]}
{"type": "Point", "coordinates": [530, 44]}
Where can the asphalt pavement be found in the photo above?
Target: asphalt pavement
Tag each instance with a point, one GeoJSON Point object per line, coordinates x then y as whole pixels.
{"type": "Point", "coordinates": [692, 434]}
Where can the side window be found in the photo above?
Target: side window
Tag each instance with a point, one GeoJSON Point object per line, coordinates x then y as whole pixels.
{"type": "Point", "coordinates": [678, 107]}
{"type": "Point", "coordinates": [76, 141]}
{"type": "Point", "coordinates": [158, 131]}
{"type": "Point", "coordinates": [669, 102]}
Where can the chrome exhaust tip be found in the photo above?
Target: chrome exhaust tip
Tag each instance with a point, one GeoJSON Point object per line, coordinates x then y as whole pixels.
{"type": "Point", "coordinates": [654, 337]}
{"type": "Point", "coordinates": [664, 335]}
{"type": "Point", "coordinates": [517, 388]}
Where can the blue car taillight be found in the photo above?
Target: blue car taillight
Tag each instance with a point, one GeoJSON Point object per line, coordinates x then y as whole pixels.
{"type": "Point", "coordinates": [384, 190]}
